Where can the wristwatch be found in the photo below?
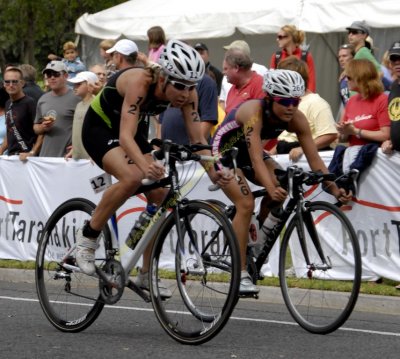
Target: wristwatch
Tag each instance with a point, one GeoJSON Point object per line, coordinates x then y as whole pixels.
{"type": "Point", "coordinates": [358, 134]}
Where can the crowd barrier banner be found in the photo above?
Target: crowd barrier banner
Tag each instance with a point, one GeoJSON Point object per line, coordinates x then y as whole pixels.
{"type": "Point", "coordinates": [30, 191]}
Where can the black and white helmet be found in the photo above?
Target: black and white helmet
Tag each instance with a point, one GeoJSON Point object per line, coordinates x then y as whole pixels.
{"type": "Point", "coordinates": [182, 61]}
{"type": "Point", "coordinates": [283, 83]}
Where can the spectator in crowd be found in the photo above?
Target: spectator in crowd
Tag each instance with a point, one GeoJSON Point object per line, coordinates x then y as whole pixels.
{"type": "Point", "coordinates": [100, 71]}
{"type": "Point", "coordinates": [124, 54]}
{"type": "Point", "coordinates": [157, 40]}
{"type": "Point", "coordinates": [393, 144]}
{"type": "Point", "coordinates": [84, 85]}
{"type": "Point", "coordinates": [71, 59]}
{"type": "Point", "coordinates": [365, 123]}
{"type": "Point", "coordinates": [20, 113]}
{"type": "Point", "coordinates": [246, 83]}
{"type": "Point", "coordinates": [211, 70]}
{"type": "Point", "coordinates": [290, 40]}
{"type": "Point", "coordinates": [55, 112]}
{"type": "Point", "coordinates": [3, 99]}
{"type": "Point", "coordinates": [386, 67]}
{"type": "Point", "coordinates": [345, 54]}
{"type": "Point", "coordinates": [172, 122]}
{"type": "Point", "coordinates": [244, 47]}
{"type": "Point", "coordinates": [31, 88]}
{"type": "Point", "coordinates": [103, 47]}
{"type": "Point", "coordinates": [317, 111]}
{"type": "Point", "coordinates": [358, 33]}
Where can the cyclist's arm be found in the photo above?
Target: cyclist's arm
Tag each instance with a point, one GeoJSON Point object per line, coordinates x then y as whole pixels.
{"type": "Point", "coordinates": [196, 135]}
{"type": "Point", "coordinates": [134, 89]}
{"type": "Point", "coordinates": [300, 126]}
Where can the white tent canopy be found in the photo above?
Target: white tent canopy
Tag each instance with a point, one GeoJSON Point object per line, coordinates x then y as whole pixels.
{"type": "Point", "coordinates": [219, 22]}
{"type": "Point", "coordinates": [193, 19]}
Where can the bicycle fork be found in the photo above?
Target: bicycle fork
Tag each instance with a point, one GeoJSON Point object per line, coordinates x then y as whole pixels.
{"type": "Point", "coordinates": [304, 218]}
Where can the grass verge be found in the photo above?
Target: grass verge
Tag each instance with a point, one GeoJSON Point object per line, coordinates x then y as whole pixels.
{"type": "Point", "coordinates": [387, 287]}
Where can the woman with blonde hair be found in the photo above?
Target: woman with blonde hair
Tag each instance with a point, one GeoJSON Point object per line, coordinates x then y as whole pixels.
{"type": "Point", "coordinates": [289, 39]}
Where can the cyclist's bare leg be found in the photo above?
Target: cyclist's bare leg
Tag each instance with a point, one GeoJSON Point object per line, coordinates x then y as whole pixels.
{"type": "Point", "coordinates": [241, 196]}
{"type": "Point", "coordinates": [129, 177]}
{"type": "Point", "coordinates": [266, 202]}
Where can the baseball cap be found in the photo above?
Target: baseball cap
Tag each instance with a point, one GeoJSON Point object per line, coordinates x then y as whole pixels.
{"type": "Point", "coordinates": [88, 76]}
{"type": "Point", "coordinates": [394, 49]}
{"type": "Point", "coordinates": [200, 46]}
{"type": "Point", "coordinates": [359, 25]}
{"type": "Point", "coordinates": [56, 66]}
{"type": "Point", "coordinates": [239, 44]}
{"type": "Point", "coordinates": [124, 47]}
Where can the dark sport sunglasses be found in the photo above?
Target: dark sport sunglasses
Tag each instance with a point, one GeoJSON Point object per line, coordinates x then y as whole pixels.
{"type": "Point", "coordinates": [181, 86]}
{"type": "Point", "coordinates": [292, 101]}
{"type": "Point", "coordinates": [52, 74]}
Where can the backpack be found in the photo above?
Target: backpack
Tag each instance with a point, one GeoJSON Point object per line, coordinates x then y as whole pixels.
{"type": "Point", "coordinates": [278, 56]}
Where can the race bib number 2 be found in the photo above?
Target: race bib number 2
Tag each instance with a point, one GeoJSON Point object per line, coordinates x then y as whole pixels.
{"type": "Point", "coordinates": [101, 182]}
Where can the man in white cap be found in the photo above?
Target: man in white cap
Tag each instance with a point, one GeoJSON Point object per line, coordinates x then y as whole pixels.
{"type": "Point", "coordinates": [84, 83]}
{"type": "Point", "coordinates": [244, 47]}
{"type": "Point", "coordinates": [55, 111]}
{"type": "Point", "coordinates": [124, 54]}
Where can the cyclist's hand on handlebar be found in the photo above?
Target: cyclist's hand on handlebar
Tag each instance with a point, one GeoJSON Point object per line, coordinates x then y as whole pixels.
{"type": "Point", "coordinates": [277, 194]}
{"type": "Point", "coordinates": [223, 177]}
{"type": "Point", "coordinates": [155, 171]}
{"type": "Point", "coordinates": [342, 196]}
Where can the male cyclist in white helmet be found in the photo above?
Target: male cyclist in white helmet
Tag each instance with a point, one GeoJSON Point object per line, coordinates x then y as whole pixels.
{"type": "Point", "coordinates": [246, 127]}
{"type": "Point", "coordinates": [115, 134]}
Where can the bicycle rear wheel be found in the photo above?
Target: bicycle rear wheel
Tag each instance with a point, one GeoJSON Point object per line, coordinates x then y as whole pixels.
{"type": "Point", "coordinates": [202, 271]}
{"type": "Point", "coordinates": [69, 299]}
{"type": "Point", "coordinates": [320, 295]}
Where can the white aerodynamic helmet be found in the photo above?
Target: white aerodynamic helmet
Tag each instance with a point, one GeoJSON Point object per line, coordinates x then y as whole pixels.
{"type": "Point", "coordinates": [283, 83]}
{"type": "Point", "coordinates": [182, 61]}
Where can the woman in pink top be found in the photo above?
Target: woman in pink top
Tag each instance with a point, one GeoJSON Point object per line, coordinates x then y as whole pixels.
{"type": "Point", "coordinates": [365, 118]}
{"type": "Point", "coordinates": [157, 42]}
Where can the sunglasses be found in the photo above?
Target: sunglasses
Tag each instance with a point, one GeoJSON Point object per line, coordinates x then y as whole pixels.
{"type": "Point", "coordinates": [52, 74]}
{"type": "Point", "coordinates": [9, 82]}
{"type": "Point", "coordinates": [292, 101]}
{"type": "Point", "coordinates": [394, 58]}
{"type": "Point", "coordinates": [281, 37]}
{"type": "Point", "coordinates": [356, 32]}
{"type": "Point", "coordinates": [181, 86]}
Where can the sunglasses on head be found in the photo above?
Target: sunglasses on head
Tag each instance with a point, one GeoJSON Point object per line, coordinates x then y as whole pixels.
{"type": "Point", "coordinates": [355, 32]}
{"type": "Point", "coordinates": [181, 86]}
{"type": "Point", "coordinates": [52, 74]}
{"type": "Point", "coordinates": [281, 37]}
{"type": "Point", "coordinates": [292, 101]}
{"type": "Point", "coordinates": [9, 82]}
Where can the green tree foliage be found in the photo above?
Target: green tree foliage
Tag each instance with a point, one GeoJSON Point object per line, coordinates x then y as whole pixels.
{"type": "Point", "coordinates": [31, 29]}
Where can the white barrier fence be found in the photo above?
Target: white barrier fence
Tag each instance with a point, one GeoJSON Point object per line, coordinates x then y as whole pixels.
{"type": "Point", "coordinates": [30, 191]}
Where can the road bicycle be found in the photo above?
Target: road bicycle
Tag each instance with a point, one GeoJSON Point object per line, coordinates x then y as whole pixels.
{"type": "Point", "coordinates": [195, 254]}
{"type": "Point", "coordinates": [319, 251]}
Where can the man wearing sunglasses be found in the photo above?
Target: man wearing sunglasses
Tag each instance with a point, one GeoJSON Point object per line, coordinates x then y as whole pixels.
{"type": "Point", "coordinates": [245, 128]}
{"type": "Point", "coordinates": [394, 103]}
{"type": "Point", "coordinates": [19, 115]}
{"type": "Point", "coordinates": [55, 112]}
{"type": "Point", "coordinates": [115, 135]}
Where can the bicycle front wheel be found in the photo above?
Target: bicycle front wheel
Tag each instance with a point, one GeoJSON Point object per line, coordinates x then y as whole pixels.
{"type": "Point", "coordinates": [320, 267]}
{"type": "Point", "coordinates": [201, 269]}
{"type": "Point", "coordinates": [69, 299]}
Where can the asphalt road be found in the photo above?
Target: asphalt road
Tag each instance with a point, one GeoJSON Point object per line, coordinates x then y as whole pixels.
{"type": "Point", "coordinates": [257, 329]}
